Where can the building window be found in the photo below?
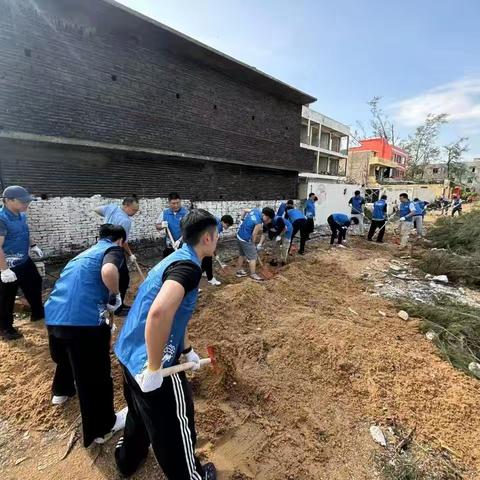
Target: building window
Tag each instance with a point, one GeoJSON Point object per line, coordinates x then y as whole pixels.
{"type": "Point", "coordinates": [335, 144]}
{"type": "Point", "coordinates": [325, 140]}
{"type": "Point", "coordinates": [473, 169]}
{"type": "Point", "coordinates": [434, 170]}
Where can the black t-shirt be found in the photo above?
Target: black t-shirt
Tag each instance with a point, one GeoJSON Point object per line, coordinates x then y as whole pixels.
{"type": "Point", "coordinates": [184, 272]}
{"type": "Point", "coordinates": [274, 228]}
{"type": "Point", "coordinates": [115, 255]}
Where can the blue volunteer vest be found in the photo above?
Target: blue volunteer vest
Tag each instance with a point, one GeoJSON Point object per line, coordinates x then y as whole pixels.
{"type": "Point", "coordinates": [294, 214]}
{"type": "Point", "coordinates": [405, 210]}
{"type": "Point", "coordinates": [174, 221]}
{"type": "Point", "coordinates": [219, 226]}
{"type": "Point", "coordinates": [281, 209]}
{"type": "Point", "coordinates": [419, 208]}
{"type": "Point", "coordinates": [130, 347]}
{"type": "Point", "coordinates": [252, 218]}
{"type": "Point", "coordinates": [379, 210]}
{"type": "Point", "coordinates": [17, 240]}
{"type": "Point", "coordinates": [357, 205]}
{"type": "Point", "coordinates": [341, 219]}
{"type": "Point", "coordinates": [310, 209]}
{"type": "Point", "coordinates": [79, 295]}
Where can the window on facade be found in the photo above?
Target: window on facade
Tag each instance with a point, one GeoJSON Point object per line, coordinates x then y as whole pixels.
{"type": "Point", "coordinates": [314, 134]}
{"type": "Point", "coordinates": [434, 170]}
{"type": "Point", "coordinates": [325, 140]}
{"type": "Point", "coordinates": [336, 144]}
{"type": "Point", "coordinates": [334, 166]}
{"type": "Point", "coordinates": [323, 165]}
{"type": "Point", "coordinates": [473, 169]}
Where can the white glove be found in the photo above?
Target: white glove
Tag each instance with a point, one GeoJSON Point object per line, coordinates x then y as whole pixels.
{"type": "Point", "coordinates": [114, 302]}
{"type": "Point", "coordinates": [149, 380]}
{"type": "Point", "coordinates": [132, 258]}
{"type": "Point", "coordinates": [177, 244]}
{"type": "Point", "coordinates": [37, 250]}
{"type": "Point", "coordinates": [164, 224]}
{"type": "Point", "coordinates": [192, 356]}
{"type": "Point", "coordinates": [278, 238]}
{"type": "Point", "coordinates": [402, 219]}
{"type": "Point", "coordinates": [259, 247]}
{"type": "Point", "coordinates": [8, 276]}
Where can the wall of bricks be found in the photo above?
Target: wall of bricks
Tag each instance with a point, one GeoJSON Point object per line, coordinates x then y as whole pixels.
{"type": "Point", "coordinates": [66, 225]}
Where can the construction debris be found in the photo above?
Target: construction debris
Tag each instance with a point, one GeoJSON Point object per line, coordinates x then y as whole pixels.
{"type": "Point", "coordinates": [403, 315]}
{"type": "Point", "coordinates": [377, 435]}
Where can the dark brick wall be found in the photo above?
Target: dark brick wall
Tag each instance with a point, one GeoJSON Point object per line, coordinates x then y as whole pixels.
{"type": "Point", "coordinates": [67, 69]}
{"type": "Point", "coordinates": [59, 171]}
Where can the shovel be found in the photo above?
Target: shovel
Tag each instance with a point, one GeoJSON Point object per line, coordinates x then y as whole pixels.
{"type": "Point", "coordinates": [189, 365]}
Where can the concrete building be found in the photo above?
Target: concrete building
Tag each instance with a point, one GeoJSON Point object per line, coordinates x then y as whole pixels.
{"type": "Point", "coordinates": [98, 99]}
{"type": "Point", "coordinates": [376, 162]}
{"type": "Point", "coordinates": [435, 172]}
{"type": "Point", "coordinates": [472, 174]}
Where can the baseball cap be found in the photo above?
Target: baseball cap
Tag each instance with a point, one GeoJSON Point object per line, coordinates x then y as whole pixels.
{"type": "Point", "coordinates": [16, 192]}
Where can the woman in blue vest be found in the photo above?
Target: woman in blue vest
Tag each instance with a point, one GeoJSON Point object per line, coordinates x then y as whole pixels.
{"type": "Point", "coordinates": [357, 203]}
{"type": "Point", "coordinates": [420, 208]}
{"type": "Point", "coordinates": [160, 410]}
{"type": "Point", "coordinates": [171, 218]}
{"type": "Point", "coordinates": [16, 266]}
{"type": "Point", "coordinates": [339, 223]}
{"type": "Point", "coordinates": [299, 224]}
{"type": "Point", "coordinates": [379, 219]}
{"type": "Point", "coordinates": [77, 315]}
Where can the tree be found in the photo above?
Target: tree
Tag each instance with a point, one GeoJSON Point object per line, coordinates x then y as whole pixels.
{"type": "Point", "coordinates": [460, 173]}
{"type": "Point", "coordinates": [422, 146]}
{"type": "Point", "coordinates": [454, 152]}
{"type": "Point", "coordinates": [380, 123]}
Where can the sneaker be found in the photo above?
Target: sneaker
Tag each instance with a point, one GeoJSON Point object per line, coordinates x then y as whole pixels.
{"type": "Point", "coordinates": [256, 277]}
{"type": "Point", "coordinates": [214, 282]}
{"type": "Point", "coordinates": [241, 273]}
{"type": "Point", "coordinates": [60, 399]}
{"type": "Point", "coordinates": [209, 472]}
{"type": "Point", "coordinates": [120, 311]}
{"type": "Point", "coordinates": [10, 334]}
{"type": "Point", "coordinates": [119, 424]}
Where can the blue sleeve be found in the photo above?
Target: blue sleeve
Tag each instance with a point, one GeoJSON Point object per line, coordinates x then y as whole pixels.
{"type": "Point", "coordinates": [3, 228]}
{"type": "Point", "coordinates": [105, 210]}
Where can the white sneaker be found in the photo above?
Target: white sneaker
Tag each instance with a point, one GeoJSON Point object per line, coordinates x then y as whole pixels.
{"type": "Point", "coordinates": [119, 424]}
{"type": "Point", "coordinates": [214, 282]}
{"type": "Point", "coordinates": [241, 273]}
{"type": "Point", "coordinates": [59, 399]}
{"type": "Point", "coordinates": [256, 277]}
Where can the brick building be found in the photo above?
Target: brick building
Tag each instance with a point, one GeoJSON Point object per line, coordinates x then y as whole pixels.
{"type": "Point", "coordinates": [98, 99]}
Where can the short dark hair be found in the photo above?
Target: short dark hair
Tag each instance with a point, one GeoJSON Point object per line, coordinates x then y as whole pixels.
{"type": "Point", "coordinates": [269, 212]}
{"type": "Point", "coordinates": [173, 196]}
{"type": "Point", "coordinates": [354, 220]}
{"type": "Point", "coordinates": [129, 200]}
{"type": "Point", "coordinates": [195, 224]}
{"type": "Point", "coordinates": [112, 232]}
{"type": "Point", "coordinates": [404, 195]}
{"type": "Point", "coordinates": [357, 192]}
{"type": "Point", "coordinates": [383, 197]}
{"type": "Point", "coordinates": [289, 207]}
{"type": "Point", "coordinates": [228, 219]}
{"type": "Point", "coordinates": [311, 194]}
{"type": "Point", "coordinates": [289, 202]}
{"type": "Point", "coordinates": [416, 199]}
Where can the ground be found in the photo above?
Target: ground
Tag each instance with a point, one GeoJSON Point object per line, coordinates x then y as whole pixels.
{"type": "Point", "coordinates": [308, 361]}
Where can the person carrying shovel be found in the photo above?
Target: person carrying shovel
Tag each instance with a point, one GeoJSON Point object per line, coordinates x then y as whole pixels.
{"type": "Point", "coordinates": [279, 231]}
{"type": "Point", "coordinates": [170, 220]}
{"type": "Point", "coordinates": [153, 338]}
{"type": "Point", "coordinates": [379, 219]}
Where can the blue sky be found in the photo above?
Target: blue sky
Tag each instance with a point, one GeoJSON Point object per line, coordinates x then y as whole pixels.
{"type": "Point", "coordinates": [421, 56]}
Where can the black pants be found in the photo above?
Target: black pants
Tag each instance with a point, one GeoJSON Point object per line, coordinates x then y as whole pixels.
{"type": "Point", "coordinates": [30, 281]}
{"type": "Point", "coordinates": [301, 226]}
{"type": "Point", "coordinates": [373, 228]}
{"type": "Point", "coordinates": [338, 231]}
{"type": "Point", "coordinates": [456, 210]}
{"type": "Point", "coordinates": [163, 418]}
{"type": "Point", "coordinates": [310, 225]}
{"type": "Point", "coordinates": [82, 355]}
{"type": "Point", "coordinates": [207, 267]}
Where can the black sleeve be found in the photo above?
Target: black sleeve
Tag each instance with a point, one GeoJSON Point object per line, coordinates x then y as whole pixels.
{"type": "Point", "coordinates": [185, 273]}
{"type": "Point", "coordinates": [115, 255]}
{"type": "Point", "coordinates": [385, 208]}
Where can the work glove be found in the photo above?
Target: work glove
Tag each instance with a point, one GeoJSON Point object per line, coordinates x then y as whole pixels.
{"type": "Point", "coordinates": [132, 258]}
{"type": "Point", "coordinates": [164, 224]}
{"type": "Point", "coordinates": [192, 356]}
{"type": "Point", "coordinates": [114, 302]}
{"type": "Point", "coordinates": [259, 247]}
{"type": "Point", "coordinates": [37, 250]}
{"type": "Point", "coordinates": [8, 276]}
{"type": "Point", "coordinates": [149, 380]}
{"type": "Point", "coordinates": [402, 219]}
{"type": "Point", "coordinates": [278, 238]}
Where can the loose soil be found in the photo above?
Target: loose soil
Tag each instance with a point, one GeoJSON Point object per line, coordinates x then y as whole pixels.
{"type": "Point", "coordinates": [306, 365]}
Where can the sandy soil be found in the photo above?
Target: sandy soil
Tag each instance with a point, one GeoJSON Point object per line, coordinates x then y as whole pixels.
{"type": "Point", "coordinates": [306, 364]}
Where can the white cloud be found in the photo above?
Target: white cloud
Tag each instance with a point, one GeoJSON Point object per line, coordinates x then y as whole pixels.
{"type": "Point", "coordinates": [459, 99]}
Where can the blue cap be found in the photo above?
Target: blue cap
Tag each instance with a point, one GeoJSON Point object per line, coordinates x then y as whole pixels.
{"type": "Point", "coordinates": [15, 192]}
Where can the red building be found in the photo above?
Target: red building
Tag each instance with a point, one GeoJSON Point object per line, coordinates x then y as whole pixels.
{"type": "Point", "coordinates": [376, 161]}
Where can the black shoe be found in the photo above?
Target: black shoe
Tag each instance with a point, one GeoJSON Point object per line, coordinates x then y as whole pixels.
{"type": "Point", "coordinates": [10, 334]}
{"type": "Point", "coordinates": [380, 241]}
{"type": "Point", "coordinates": [126, 469]}
{"type": "Point", "coordinates": [273, 263]}
{"type": "Point", "coordinates": [369, 239]}
{"type": "Point", "coordinates": [209, 471]}
{"type": "Point", "coordinates": [301, 252]}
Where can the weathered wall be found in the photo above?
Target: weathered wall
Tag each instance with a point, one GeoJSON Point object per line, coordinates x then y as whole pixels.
{"type": "Point", "coordinates": [357, 167]}
{"type": "Point", "coordinates": [64, 225]}
{"type": "Point", "coordinates": [72, 69]}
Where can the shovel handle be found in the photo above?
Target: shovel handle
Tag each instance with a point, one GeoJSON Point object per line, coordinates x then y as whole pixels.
{"type": "Point", "coordinates": [171, 238]}
{"type": "Point", "coordinates": [139, 269]}
{"type": "Point", "coordinates": [183, 366]}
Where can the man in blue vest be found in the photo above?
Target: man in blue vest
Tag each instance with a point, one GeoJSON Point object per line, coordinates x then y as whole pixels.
{"type": "Point", "coordinates": [339, 223]}
{"type": "Point", "coordinates": [310, 212]}
{"type": "Point", "coordinates": [299, 224]}
{"type": "Point", "coordinates": [16, 266]}
{"type": "Point", "coordinates": [248, 233]}
{"type": "Point", "coordinates": [153, 337]}
{"type": "Point", "coordinates": [379, 219]}
{"type": "Point", "coordinates": [357, 203]}
{"type": "Point", "coordinates": [171, 219]}
{"type": "Point", "coordinates": [78, 318]}
{"type": "Point", "coordinates": [223, 224]}
{"type": "Point", "coordinates": [407, 211]}
{"type": "Point", "coordinates": [456, 205]}
{"type": "Point", "coordinates": [420, 209]}
{"type": "Point", "coordinates": [283, 207]}
{"type": "Point", "coordinates": [279, 231]}
{"type": "Point", "coordinates": [116, 215]}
